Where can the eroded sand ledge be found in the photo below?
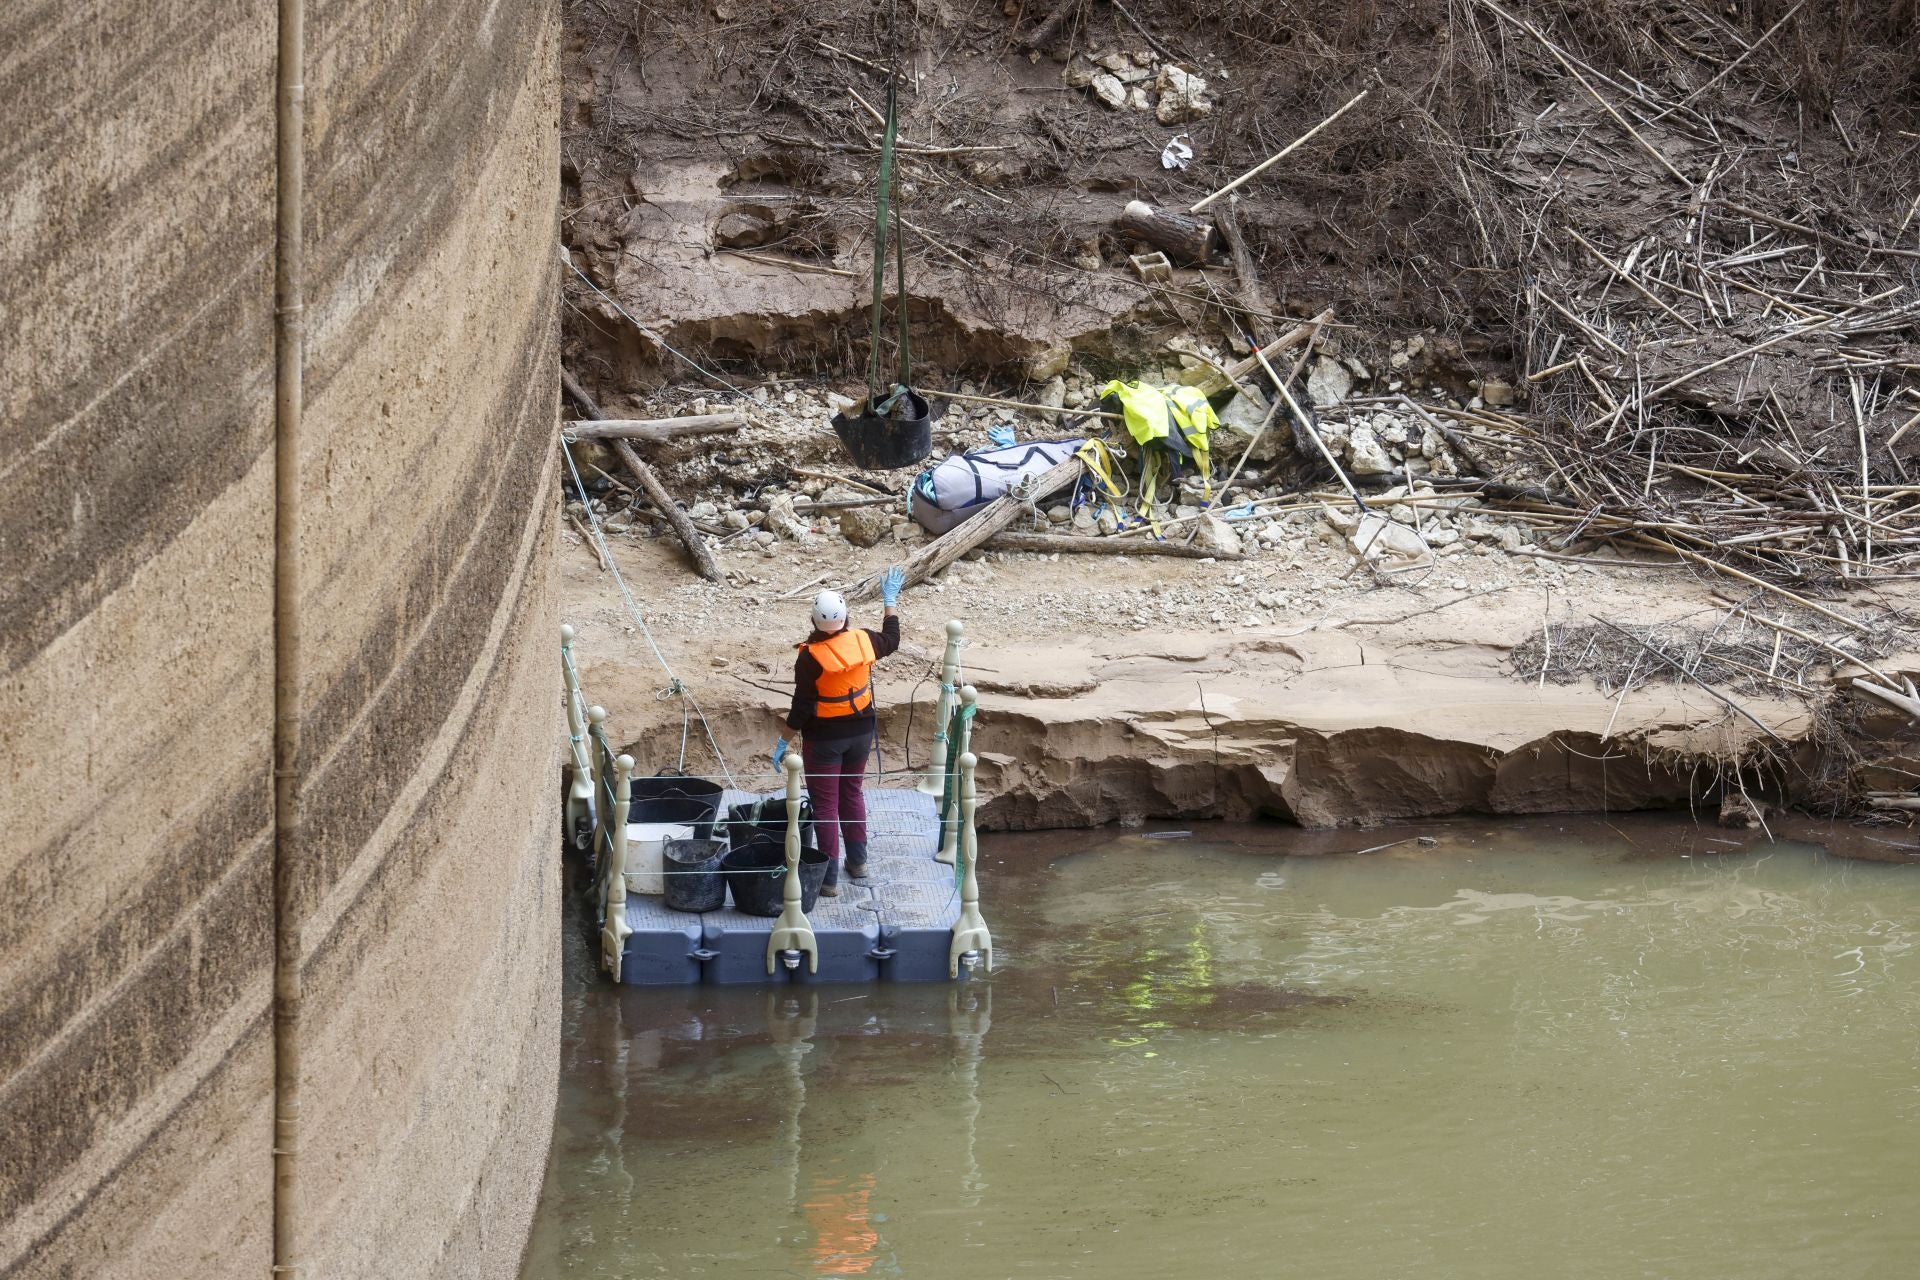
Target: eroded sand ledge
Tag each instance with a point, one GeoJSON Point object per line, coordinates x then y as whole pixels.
{"type": "Point", "coordinates": [1361, 714]}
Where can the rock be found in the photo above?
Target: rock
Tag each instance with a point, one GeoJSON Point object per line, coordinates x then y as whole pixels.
{"type": "Point", "coordinates": [1241, 419]}
{"type": "Point", "coordinates": [1060, 514]}
{"type": "Point", "coordinates": [1137, 99]}
{"type": "Point", "coordinates": [1217, 537]}
{"type": "Point", "coordinates": [1390, 430]}
{"type": "Point", "coordinates": [1078, 73]}
{"type": "Point", "coordinates": [1183, 97]}
{"type": "Point", "coordinates": [1374, 538]}
{"type": "Point", "coordinates": [1109, 90]}
{"type": "Point", "coordinates": [1329, 382]}
{"type": "Point", "coordinates": [1332, 434]}
{"type": "Point", "coordinates": [741, 230]}
{"type": "Point", "coordinates": [1365, 457]}
{"type": "Point", "coordinates": [1431, 444]}
{"type": "Point", "coordinates": [1053, 396]}
{"type": "Point", "coordinates": [1496, 391]}
{"type": "Point", "coordinates": [1114, 61]}
{"type": "Point", "coordinates": [1050, 363]}
{"type": "Point", "coordinates": [704, 511]}
{"type": "Point", "coordinates": [1185, 511]}
{"type": "Point", "coordinates": [784, 521]}
{"type": "Point", "coordinates": [1359, 370]}
{"type": "Point", "coordinates": [1444, 536]}
{"type": "Point", "coordinates": [1340, 518]}
{"type": "Point", "coordinates": [866, 526]}
{"type": "Point", "coordinates": [1084, 522]}
{"type": "Point", "coordinates": [1510, 538]}
{"type": "Point", "coordinates": [736, 520]}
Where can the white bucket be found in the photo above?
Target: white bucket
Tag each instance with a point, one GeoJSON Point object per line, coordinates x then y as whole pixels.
{"type": "Point", "coordinates": [646, 868]}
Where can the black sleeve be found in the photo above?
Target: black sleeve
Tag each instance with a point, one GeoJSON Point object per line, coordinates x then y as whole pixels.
{"type": "Point", "coordinates": [887, 638]}
{"type": "Point", "coordinates": [806, 691]}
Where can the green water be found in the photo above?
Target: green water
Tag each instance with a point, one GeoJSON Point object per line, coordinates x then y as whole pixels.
{"type": "Point", "coordinates": [1510, 1055]}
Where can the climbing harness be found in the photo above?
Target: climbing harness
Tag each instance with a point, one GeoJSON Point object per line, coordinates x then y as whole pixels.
{"type": "Point", "coordinates": [1170, 425]}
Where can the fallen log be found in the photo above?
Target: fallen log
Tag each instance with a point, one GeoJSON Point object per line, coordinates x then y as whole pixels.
{"type": "Point", "coordinates": [1186, 240]}
{"type": "Point", "coordinates": [1050, 543]}
{"type": "Point", "coordinates": [655, 430]}
{"type": "Point", "coordinates": [703, 561]}
{"type": "Point", "coordinates": [962, 538]}
{"type": "Point", "coordinates": [1216, 383]}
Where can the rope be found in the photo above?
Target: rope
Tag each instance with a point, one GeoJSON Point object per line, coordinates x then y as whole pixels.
{"type": "Point", "coordinates": [675, 687]}
{"type": "Point", "coordinates": [882, 204]}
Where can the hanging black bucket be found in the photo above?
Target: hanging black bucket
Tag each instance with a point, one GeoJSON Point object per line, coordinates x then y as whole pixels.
{"type": "Point", "coordinates": [693, 875]}
{"type": "Point", "coordinates": [761, 890]}
{"type": "Point", "coordinates": [678, 799]}
{"type": "Point", "coordinates": [884, 442]}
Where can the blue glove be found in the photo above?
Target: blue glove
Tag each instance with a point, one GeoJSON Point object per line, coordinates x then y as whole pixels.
{"type": "Point", "coordinates": [890, 583]}
{"type": "Point", "coordinates": [779, 751]}
{"type": "Point", "coordinates": [1002, 436]}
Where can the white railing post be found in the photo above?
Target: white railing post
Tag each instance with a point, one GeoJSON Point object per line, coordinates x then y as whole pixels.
{"type": "Point", "coordinates": [792, 935]}
{"type": "Point", "coordinates": [936, 779]}
{"type": "Point", "coordinates": [613, 909]}
{"type": "Point", "coordinates": [972, 943]}
{"type": "Point", "coordinates": [950, 819]}
{"type": "Point", "coordinates": [596, 740]}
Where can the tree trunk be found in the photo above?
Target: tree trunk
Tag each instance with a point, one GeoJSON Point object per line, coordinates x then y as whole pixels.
{"type": "Point", "coordinates": [964, 537]}
{"type": "Point", "coordinates": [655, 430]}
{"type": "Point", "coordinates": [1187, 241]}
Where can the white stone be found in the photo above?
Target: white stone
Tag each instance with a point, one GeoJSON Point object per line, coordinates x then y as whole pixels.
{"type": "Point", "coordinates": [1217, 536]}
{"type": "Point", "coordinates": [1365, 456]}
{"type": "Point", "coordinates": [1374, 538]}
{"type": "Point", "coordinates": [1329, 382]}
{"type": "Point", "coordinates": [1137, 99]}
{"type": "Point", "coordinates": [1110, 91]}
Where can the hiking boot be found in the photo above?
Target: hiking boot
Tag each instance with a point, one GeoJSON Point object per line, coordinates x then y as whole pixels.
{"type": "Point", "coordinates": [856, 867]}
{"type": "Point", "coordinates": [830, 884]}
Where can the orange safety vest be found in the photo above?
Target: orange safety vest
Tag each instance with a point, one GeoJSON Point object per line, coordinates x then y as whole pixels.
{"type": "Point", "coordinates": [845, 686]}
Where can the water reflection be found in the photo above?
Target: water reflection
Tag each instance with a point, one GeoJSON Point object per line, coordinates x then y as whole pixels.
{"type": "Point", "coordinates": [1474, 1062]}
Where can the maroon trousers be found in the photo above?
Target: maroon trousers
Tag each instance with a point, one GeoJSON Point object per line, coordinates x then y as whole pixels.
{"type": "Point", "coordinates": [835, 772]}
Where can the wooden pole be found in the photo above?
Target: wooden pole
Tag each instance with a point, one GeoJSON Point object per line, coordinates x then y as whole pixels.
{"type": "Point", "coordinates": [703, 561]}
{"type": "Point", "coordinates": [655, 430]}
{"type": "Point", "coordinates": [1281, 154]}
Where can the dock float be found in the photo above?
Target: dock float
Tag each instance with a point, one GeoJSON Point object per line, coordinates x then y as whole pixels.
{"type": "Point", "coordinates": [915, 917]}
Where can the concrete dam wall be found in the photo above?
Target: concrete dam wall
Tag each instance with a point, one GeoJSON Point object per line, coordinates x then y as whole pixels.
{"type": "Point", "coordinates": [146, 882]}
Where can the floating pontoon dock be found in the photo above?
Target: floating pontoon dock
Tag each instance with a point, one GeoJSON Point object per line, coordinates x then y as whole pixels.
{"type": "Point", "coordinates": [914, 917]}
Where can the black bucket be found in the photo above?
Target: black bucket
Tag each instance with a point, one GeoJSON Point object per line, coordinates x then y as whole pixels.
{"type": "Point", "coordinates": [760, 890]}
{"type": "Point", "coordinates": [885, 442]}
{"type": "Point", "coordinates": [671, 798]}
{"type": "Point", "coordinates": [693, 875]}
{"type": "Point", "coordinates": [760, 820]}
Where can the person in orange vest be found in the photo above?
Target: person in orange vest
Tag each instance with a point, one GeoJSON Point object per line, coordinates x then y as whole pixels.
{"type": "Point", "coordinates": [833, 711]}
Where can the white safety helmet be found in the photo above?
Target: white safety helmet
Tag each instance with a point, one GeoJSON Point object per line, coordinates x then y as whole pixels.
{"type": "Point", "coordinates": [829, 612]}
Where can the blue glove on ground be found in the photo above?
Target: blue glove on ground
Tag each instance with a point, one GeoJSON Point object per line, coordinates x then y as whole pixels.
{"type": "Point", "coordinates": [779, 751]}
{"type": "Point", "coordinates": [890, 583]}
{"type": "Point", "coordinates": [1001, 436]}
